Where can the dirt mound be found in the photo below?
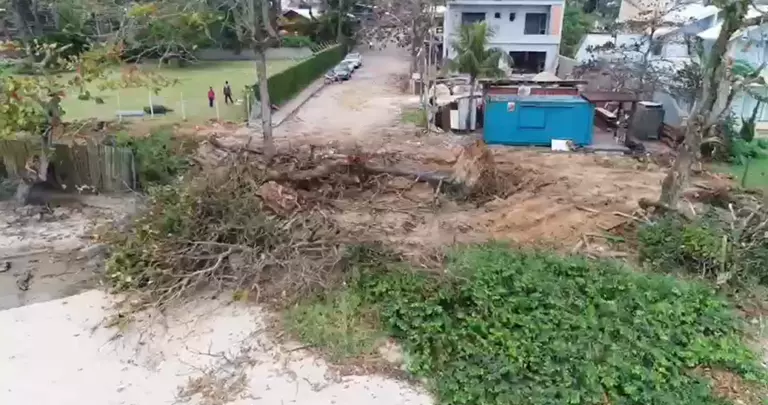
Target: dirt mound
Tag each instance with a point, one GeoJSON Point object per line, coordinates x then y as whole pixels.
{"type": "Point", "coordinates": [397, 194]}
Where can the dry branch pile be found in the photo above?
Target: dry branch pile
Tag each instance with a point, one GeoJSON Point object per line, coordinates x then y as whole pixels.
{"type": "Point", "coordinates": [264, 230]}
{"type": "Point", "coordinates": [229, 227]}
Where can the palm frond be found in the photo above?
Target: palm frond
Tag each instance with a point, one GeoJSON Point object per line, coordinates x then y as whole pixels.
{"type": "Point", "coordinates": [473, 55]}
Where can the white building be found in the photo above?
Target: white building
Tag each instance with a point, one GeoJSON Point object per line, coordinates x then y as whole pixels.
{"type": "Point", "coordinates": [527, 30]}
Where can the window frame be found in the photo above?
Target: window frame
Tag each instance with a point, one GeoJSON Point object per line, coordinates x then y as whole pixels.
{"type": "Point", "coordinates": [542, 25]}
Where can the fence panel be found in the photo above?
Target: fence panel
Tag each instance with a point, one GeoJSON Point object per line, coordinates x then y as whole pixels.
{"type": "Point", "coordinates": [104, 168]}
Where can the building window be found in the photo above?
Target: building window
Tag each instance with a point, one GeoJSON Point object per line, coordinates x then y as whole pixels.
{"type": "Point", "coordinates": [511, 16]}
{"type": "Point", "coordinates": [656, 48]}
{"type": "Point", "coordinates": [535, 24]}
{"type": "Point", "coordinates": [471, 18]}
{"type": "Point", "coordinates": [496, 15]}
{"type": "Point", "coordinates": [528, 62]}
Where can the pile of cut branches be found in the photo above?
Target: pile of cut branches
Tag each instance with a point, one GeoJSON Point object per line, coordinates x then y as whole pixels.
{"type": "Point", "coordinates": [263, 228]}
{"type": "Point", "coordinates": [723, 237]}
{"type": "Point", "coordinates": [227, 228]}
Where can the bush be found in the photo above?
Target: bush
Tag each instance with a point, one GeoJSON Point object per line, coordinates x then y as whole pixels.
{"type": "Point", "coordinates": [156, 160]}
{"type": "Point", "coordinates": [286, 84]}
{"type": "Point", "coordinates": [341, 323]}
{"type": "Point", "coordinates": [516, 327]}
{"type": "Point", "coordinates": [297, 42]}
{"type": "Point", "coordinates": [742, 150]}
{"type": "Point", "coordinates": [706, 247]}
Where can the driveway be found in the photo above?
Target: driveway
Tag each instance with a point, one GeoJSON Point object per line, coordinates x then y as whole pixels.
{"type": "Point", "coordinates": [370, 101]}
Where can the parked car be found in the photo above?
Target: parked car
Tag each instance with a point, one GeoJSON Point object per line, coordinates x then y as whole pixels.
{"type": "Point", "coordinates": [339, 73]}
{"type": "Point", "coordinates": [356, 58]}
{"type": "Point", "coordinates": [349, 64]}
{"type": "Point", "coordinates": [331, 77]}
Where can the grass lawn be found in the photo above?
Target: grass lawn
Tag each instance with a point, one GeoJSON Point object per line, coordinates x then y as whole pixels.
{"type": "Point", "coordinates": [757, 175]}
{"type": "Point", "coordinates": [192, 89]}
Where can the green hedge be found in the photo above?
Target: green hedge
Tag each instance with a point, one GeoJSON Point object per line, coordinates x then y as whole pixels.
{"type": "Point", "coordinates": [286, 84]}
{"type": "Point", "coordinates": [297, 42]}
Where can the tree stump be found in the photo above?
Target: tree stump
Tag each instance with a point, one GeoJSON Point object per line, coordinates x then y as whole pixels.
{"type": "Point", "coordinates": [475, 170]}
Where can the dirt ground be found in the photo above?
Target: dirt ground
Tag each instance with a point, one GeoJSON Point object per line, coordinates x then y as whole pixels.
{"type": "Point", "coordinates": [555, 200]}
{"type": "Point", "coordinates": [48, 252]}
{"type": "Point", "coordinates": [551, 199]}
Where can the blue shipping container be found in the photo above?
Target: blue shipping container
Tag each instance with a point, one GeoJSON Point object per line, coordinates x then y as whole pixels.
{"type": "Point", "coordinates": [537, 120]}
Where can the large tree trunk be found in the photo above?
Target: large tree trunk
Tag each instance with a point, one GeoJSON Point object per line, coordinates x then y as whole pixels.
{"type": "Point", "coordinates": [472, 83]}
{"type": "Point", "coordinates": [20, 12]}
{"type": "Point", "coordinates": [708, 109]}
{"type": "Point", "coordinates": [339, 33]}
{"type": "Point", "coordinates": [266, 105]}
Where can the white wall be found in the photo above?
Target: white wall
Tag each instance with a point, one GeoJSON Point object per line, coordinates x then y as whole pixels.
{"type": "Point", "coordinates": [509, 35]}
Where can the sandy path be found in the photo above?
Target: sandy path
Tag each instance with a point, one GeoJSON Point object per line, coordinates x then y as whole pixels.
{"type": "Point", "coordinates": [56, 353]}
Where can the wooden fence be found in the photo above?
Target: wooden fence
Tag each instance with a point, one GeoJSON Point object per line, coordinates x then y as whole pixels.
{"type": "Point", "coordinates": [102, 168]}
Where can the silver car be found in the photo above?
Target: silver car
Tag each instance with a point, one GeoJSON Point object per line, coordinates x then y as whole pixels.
{"type": "Point", "coordinates": [355, 58]}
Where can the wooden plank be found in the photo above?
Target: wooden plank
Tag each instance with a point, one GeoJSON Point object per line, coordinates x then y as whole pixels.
{"type": "Point", "coordinates": [94, 165]}
{"type": "Point", "coordinates": [80, 158]}
{"type": "Point", "coordinates": [106, 168]}
{"type": "Point", "coordinates": [65, 169]}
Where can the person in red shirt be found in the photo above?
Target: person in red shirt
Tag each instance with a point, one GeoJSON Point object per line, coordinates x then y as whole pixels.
{"type": "Point", "coordinates": [211, 97]}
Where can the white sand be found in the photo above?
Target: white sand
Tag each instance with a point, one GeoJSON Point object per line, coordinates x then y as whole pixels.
{"type": "Point", "coordinates": [56, 353]}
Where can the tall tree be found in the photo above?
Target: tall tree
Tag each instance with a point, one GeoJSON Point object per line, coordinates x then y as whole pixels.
{"type": "Point", "coordinates": [576, 24]}
{"type": "Point", "coordinates": [709, 106]}
{"type": "Point", "coordinates": [475, 57]}
{"type": "Point", "coordinates": [404, 22]}
{"type": "Point", "coordinates": [167, 30]}
{"type": "Point", "coordinates": [254, 22]}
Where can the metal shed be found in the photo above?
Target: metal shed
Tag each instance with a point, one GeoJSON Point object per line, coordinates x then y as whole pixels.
{"type": "Point", "coordinates": [537, 114]}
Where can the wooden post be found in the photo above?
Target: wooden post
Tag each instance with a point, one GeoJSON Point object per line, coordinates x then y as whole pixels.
{"type": "Point", "coordinates": [151, 108]}
{"type": "Point", "coordinates": [247, 108]}
{"type": "Point", "coordinates": [183, 108]}
{"type": "Point", "coordinates": [119, 108]}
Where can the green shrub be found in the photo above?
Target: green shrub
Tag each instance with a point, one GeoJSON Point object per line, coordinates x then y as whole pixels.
{"type": "Point", "coordinates": [706, 247]}
{"type": "Point", "coordinates": [156, 160]}
{"type": "Point", "coordinates": [742, 150]}
{"type": "Point", "coordinates": [415, 116]}
{"type": "Point", "coordinates": [286, 84]}
{"type": "Point", "coordinates": [515, 327]}
{"type": "Point", "coordinates": [341, 323]}
{"type": "Point", "coordinates": [297, 42]}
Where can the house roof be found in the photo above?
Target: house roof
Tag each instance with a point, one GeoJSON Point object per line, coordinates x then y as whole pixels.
{"type": "Point", "coordinates": [304, 12]}
{"type": "Point", "coordinates": [714, 32]}
{"type": "Point", "coordinates": [594, 40]}
{"type": "Point", "coordinates": [690, 12]}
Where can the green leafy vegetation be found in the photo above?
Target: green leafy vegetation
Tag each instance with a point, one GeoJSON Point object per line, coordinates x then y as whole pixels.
{"type": "Point", "coordinates": [708, 247]}
{"type": "Point", "coordinates": [740, 154]}
{"type": "Point", "coordinates": [415, 116]}
{"type": "Point", "coordinates": [191, 89]}
{"type": "Point", "coordinates": [297, 41]}
{"type": "Point", "coordinates": [286, 84]}
{"type": "Point", "coordinates": [341, 323]}
{"type": "Point", "coordinates": [505, 326]}
{"type": "Point", "coordinates": [157, 159]}
{"type": "Point", "coordinates": [576, 24]}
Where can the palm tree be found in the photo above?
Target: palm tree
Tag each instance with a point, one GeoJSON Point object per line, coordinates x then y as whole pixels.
{"type": "Point", "coordinates": [475, 57]}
